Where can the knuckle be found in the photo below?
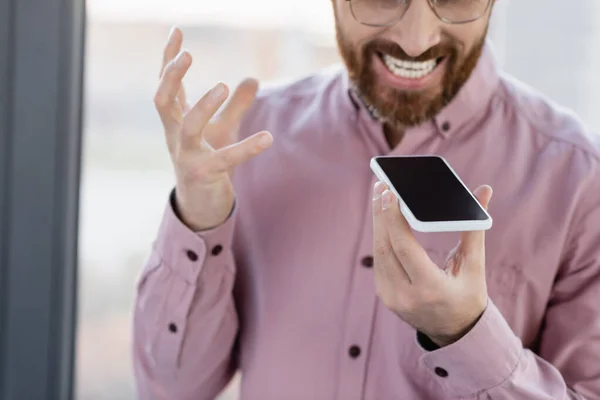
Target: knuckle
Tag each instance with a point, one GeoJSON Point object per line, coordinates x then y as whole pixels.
{"type": "Point", "coordinates": [401, 251]}
{"type": "Point", "coordinates": [255, 149]}
{"type": "Point", "coordinates": [227, 158]}
{"type": "Point", "coordinates": [160, 100]}
{"type": "Point", "coordinates": [380, 250]}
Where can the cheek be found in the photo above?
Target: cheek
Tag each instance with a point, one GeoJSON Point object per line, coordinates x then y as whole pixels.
{"type": "Point", "coordinates": [466, 37]}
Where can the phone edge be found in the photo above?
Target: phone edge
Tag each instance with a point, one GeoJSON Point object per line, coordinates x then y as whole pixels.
{"type": "Point", "coordinates": [437, 226]}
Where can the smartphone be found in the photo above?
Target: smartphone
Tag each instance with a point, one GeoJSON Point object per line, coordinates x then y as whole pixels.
{"type": "Point", "coordinates": [432, 197]}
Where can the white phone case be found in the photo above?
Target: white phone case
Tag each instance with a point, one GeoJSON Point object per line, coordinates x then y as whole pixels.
{"type": "Point", "coordinates": [437, 226]}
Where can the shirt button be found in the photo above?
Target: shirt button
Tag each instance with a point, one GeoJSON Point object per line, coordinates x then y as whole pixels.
{"type": "Point", "coordinates": [441, 372]}
{"type": "Point", "coordinates": [367, 261]}
{"type": "Point", "coordinates": [192, 255]}
{"type": "Point", "coordinates": [217, 250]}
{"type": "Point", "coordinates": [172, 328]}
{"type": "Point", "coordinates": [354, 351]}
{"type": "Point", "coordinates": [446, 126]}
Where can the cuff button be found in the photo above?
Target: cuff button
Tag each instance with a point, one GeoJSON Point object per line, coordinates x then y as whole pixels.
{"type": "Point", "coordinates": [441, 372]}
{"type": "Point", "coordinates": [217, 250]}
{"type": "Point", "coordinates": [192, 255]}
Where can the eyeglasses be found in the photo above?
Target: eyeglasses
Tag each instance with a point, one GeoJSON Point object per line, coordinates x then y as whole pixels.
{"type": "Point", "coordinates": [381, 13]}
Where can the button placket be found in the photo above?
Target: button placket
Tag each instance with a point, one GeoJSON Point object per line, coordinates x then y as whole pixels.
{"type": "Point", "coordinates": [360, 315]}
{"type": "Point", "coordinates": [354, 351]}
{"type": "Point", "coordinates": [174, 322]}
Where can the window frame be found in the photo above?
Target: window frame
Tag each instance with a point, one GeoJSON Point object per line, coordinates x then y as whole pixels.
{"type": "Point", "coordinates": [41, 92]}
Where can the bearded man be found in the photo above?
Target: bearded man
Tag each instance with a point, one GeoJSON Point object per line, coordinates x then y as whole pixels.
{"type": "Point", "coordinates": [299, 269]}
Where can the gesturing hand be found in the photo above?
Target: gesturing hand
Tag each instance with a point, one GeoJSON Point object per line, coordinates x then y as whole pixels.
{"type": "Point", "coordinates": [445, 303]}
{"type": "Point", "coordinates": [203, 139]}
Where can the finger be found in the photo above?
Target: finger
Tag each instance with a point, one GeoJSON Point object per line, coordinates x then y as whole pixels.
{"type": "Point", "coordinates": [168, 87]}
{"type": "Point", "coordinates": [172, 48]}
{"type": "Point", "coordinates": [226, 125]}
{"type": "Point", "coordinates": [383, 253]}
{"type": "Point", "coordinates": [223, 160]}
{"type": "Point", "coordinates": [473, 242]}
{"type": "Point", "coordinates": [182, 99]}
{"type": "Point", "coordinates": [452, 264]}
{"type": "Point", "coordinates": [412, 256]}
{"type": "Point", "coordinates": [240, 102]}
{"type": "Point", "coordinates": [200, 114]}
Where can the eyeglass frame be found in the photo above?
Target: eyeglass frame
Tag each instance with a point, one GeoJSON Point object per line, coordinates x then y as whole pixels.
{"type": "Point", "coordinates": [430, 3]}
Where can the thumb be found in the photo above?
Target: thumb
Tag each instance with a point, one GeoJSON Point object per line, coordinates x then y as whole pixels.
{"type": "Point", "coordinates": [484, 195]}
{"type": "Point", "coordinates": [473, 242]}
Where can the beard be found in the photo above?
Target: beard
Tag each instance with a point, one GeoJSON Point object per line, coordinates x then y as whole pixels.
{"type": "Point", "coordinates": [402, 108]}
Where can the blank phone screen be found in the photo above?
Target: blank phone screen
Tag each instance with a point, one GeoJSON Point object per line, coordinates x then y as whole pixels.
{"type": "Point", "coordinates": [430, 189]}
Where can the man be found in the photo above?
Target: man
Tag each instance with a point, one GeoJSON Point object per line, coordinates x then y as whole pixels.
{"type": "Point", "coordinates": [308, 279]}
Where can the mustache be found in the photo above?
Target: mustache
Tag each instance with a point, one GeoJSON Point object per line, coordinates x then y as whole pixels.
{"type": "Point", "coordinates": [394, 50]}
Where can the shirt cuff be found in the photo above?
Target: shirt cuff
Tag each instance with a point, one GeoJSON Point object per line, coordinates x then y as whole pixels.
{"type": "Point", "coordinates": [185, 251]}
{"type": "Point", "coordinates": [482, 359]}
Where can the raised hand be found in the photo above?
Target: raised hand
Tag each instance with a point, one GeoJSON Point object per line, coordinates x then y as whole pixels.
{"type": "Point", "coordinates": [203, 142]}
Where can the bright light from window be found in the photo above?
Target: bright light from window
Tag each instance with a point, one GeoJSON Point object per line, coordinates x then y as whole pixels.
{"type": "Point", "coordinates": [309, 15]}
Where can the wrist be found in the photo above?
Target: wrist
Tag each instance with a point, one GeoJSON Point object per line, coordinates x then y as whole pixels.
{"type": "Point", "coordinates": [201, 220]}
{"type": "Point", "coordinates": [443, 339]}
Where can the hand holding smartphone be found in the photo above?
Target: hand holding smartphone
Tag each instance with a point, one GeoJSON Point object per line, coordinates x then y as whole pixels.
{"type": "Point", "coordinates": [432, 196]}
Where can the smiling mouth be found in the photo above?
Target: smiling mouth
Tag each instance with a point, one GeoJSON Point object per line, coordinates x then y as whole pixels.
{"type": "Point", "coordinates": [410, 69]}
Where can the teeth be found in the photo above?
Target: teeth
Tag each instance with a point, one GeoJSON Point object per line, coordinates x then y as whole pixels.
{"type": "Point", "coordinates": [409, 69]}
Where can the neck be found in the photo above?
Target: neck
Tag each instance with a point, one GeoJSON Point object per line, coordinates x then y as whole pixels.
{"type": "Point", "coordinates": [393, 135]}
{"type": "Point", "coordinates": [393, 132]}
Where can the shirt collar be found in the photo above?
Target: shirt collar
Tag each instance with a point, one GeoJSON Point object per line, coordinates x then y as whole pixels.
{"type": "Point", "coordinates": [472, 97]}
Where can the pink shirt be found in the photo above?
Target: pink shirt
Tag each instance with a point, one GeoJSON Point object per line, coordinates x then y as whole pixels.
{"type": "Point", "coordinates": [284, 289]}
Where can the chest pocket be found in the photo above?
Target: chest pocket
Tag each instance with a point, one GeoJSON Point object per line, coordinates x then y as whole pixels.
{"type": "Point", "coordinates": [503, 282]}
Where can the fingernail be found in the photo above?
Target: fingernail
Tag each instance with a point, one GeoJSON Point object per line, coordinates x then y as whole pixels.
{"type": "Point", "coordinates": [386, 200]}
{"type": "Point", "coordinates": [265, 140]}
{"type": "Point", "coordinates": [217, 91]}
{"type": "Point", "coordinates": [378, 190]}
{"type": "Point", "coordinates": [180, 60]}
{"type": "Point", "coordinates": [171, 34]}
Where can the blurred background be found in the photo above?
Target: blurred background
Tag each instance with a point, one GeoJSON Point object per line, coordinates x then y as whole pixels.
{"type": "Point", "coordinates": [552, 45]}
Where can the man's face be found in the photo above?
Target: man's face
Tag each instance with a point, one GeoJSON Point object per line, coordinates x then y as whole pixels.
{"type": "Point", "coordinates": [409, 71]}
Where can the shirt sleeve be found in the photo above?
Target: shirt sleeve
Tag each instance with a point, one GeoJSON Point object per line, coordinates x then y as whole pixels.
{"type": "Point", "coordinates": [491, 361]}
{"type": "Point", "coordinates": [185, 321]}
